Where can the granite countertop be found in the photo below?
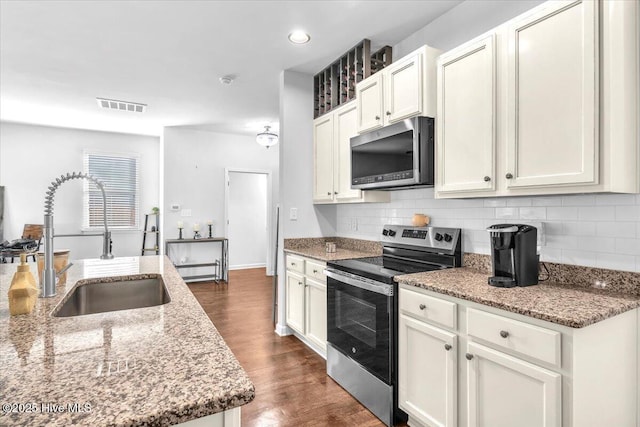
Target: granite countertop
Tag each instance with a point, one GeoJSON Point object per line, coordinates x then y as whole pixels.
{"type": "Point", "coordinates": [565, 305]}
{"type": "Point", "coordinates": [151, 366]}
{"type": "Point", "coordinates": [346, 248]}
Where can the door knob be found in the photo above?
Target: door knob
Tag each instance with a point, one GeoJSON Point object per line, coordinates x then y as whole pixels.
{"type": "Point", "coordinates": [509, 175]}
{"type": "Point", "coordinates": [487, 178]}
{"type": "Point", "coordinates": [447, 347]}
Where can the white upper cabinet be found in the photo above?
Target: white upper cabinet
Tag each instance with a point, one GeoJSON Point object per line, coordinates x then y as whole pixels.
{"type": "Point", "coordinates": [466, 136]}
{"type": "Point", "coordinates": [552, 89]}
{"type": "Point", "coordinates": [547, 103]}
{"type": "Point", "coordinates": [405, 88]}
{"type": "Point", "coordinates": [369, 100]}
{"type": "Point", "coordinates": [332, 159]}
{"type": "Point", "coordinates": [323, 156]}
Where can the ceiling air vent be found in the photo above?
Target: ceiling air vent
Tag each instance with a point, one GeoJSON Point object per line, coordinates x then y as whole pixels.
{"type": "Point", "coordinates": [113, 104]}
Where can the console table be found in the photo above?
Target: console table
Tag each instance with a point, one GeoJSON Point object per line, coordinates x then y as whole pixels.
{"type": "Point", "coordinates": [221, 265]}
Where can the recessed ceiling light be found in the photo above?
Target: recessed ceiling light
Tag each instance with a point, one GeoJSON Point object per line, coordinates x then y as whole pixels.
{"type": "Point", "coordinates": [299, 37]}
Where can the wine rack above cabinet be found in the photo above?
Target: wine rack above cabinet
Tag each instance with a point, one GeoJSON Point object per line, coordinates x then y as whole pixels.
{"type": "Point", "coordinates": [336, 84]}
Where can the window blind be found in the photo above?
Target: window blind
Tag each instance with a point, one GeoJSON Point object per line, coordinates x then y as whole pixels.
{"type": "Point", "coordinates": [120, 174]}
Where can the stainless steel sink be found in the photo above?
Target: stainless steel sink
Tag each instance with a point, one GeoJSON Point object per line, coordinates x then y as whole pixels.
{"type": "Point", "coordinates": [100, 297]}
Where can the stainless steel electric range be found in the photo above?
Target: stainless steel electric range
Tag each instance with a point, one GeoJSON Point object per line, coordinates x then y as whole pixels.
{"type": "Point", "coordinates": [362, 312]}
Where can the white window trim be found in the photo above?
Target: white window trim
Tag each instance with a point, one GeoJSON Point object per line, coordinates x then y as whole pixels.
{"type": "Point", "coordinates": [86, 185]}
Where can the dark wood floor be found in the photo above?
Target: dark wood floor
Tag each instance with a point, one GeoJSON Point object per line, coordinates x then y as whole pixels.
{"type": "Point", "coordinates": [292, 387]}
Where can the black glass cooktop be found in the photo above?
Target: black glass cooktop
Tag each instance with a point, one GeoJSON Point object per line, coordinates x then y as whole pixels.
{"type": "Point", "coordinates": [382, 269]}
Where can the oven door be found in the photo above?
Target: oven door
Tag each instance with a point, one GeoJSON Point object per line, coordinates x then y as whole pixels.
{"type": "Point", "coordinates": [360, 320]}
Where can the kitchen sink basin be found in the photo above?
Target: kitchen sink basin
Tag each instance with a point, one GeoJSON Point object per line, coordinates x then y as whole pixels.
{"type": "Point", "coordinates": [101, 297]}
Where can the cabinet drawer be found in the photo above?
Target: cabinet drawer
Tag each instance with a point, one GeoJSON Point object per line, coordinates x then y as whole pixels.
{"type": "Point", "coordinates": [314, 270]}
{"type": "Point", "coordinates": [428, 308]}
{"type": "Point", "coordinates": [295, 263]}
{"type": "Point", "coordinates": [533, 341]}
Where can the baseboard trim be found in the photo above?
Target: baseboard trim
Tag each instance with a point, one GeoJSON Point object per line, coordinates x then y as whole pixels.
{"type": "Point", "coordinates": [247, 266]}
{"type": "Point", "coordinates": [283, 330]}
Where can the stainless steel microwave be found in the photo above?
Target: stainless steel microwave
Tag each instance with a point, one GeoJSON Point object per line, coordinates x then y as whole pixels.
{"type": "Point", "coordinates": [395, 156]}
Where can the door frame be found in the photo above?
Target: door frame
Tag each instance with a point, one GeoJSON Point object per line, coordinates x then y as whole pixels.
{"type": "Point", "coordinates": [270, 237]}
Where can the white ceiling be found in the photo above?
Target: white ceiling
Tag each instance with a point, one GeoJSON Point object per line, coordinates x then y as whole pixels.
{"type": "Point", "coordinates": [56, 57]}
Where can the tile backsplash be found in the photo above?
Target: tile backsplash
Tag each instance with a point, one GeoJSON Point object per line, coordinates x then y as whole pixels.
{"type": "Point", "coordinates": [594, 230]}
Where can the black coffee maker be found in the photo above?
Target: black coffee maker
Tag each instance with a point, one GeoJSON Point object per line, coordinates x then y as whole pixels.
{"type": "Point", "coordinates": [513, 255]}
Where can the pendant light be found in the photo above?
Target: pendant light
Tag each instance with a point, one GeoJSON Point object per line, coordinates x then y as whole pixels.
{"type": "Point", "coordinates": [267, 138]}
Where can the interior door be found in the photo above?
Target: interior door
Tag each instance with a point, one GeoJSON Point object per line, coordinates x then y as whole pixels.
{"type": "Point", "coordinates": [247, 216]}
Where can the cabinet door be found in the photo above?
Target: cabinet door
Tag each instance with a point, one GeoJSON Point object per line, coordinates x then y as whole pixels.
{"type": "Point", "coordinates": [403, 89]}
{"type": "Point", "coordinates": [427, 372]}
{"type": "Point", "coordinates": [295, 302]}
{"type": "Point", "coordinates": [323, 159]}
{"type": "Point", "coordinates": [466, 114]}
{"type": "Point", "coordinates": [345, 124]}
{"type": "Point", "coordinates": [369, 101]}
{"type": "Point", "coordinates": [552, 92]}
{"type": "Point", "coordinates": [504, 391]}
{"type": "Point", "coordinates": [316, 313]}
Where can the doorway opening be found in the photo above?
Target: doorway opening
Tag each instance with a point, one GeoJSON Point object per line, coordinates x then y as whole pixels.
{"type": "Point", "coordinates": [248, 218]}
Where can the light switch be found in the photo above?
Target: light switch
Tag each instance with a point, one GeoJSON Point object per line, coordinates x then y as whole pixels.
{"type": "Point", "coordinates": [185, 212]}
{"type": "Point", "coordinates": [293, 214]}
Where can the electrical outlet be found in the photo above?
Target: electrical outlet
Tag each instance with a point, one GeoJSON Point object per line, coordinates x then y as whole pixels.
{"type": "Point", "coordinates": [293, 214]}
{"type": "Point", "coordinates": [185, 212]}
{"type": "Point", "coordinates": [175, 207]}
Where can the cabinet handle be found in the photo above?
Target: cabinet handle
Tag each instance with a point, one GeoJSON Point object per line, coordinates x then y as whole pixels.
{"type": "Point", "coordinates": [315, 271]}
{"type": "Point", "coordinates": [377, 117]}
{"type": "Point", "coordinates": [509, 175]}
{"type": "Point", "coordinates": [299, 283]}
{"type": "Point", "coordinates": [335, 192]}
{"type": "Point", "coordinates": [293, 263]}
{"type": "Point", "coordinates": [469, 356]}
{"type": "Point", "coordinates": [504, 334]}
{"type": "Point", "coordinates": [487, 178]}
{"type": "Point", "coordinates": [447, 347]}
{"type": "Point", "coordinates": [328, 193]}
{"type": "Point", "coordinates": [422, 306]}
{"type": "Point", "coordinates": [388, 113]}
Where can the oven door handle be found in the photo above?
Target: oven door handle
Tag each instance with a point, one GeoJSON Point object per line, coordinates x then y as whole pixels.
{"type": "Point", "coordinates": [369, 285]}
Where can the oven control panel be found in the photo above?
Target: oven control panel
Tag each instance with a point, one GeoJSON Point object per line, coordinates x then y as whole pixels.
{"type": "Point", "coordinates": [428, 237]}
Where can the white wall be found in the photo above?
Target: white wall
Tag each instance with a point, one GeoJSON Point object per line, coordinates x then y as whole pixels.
{"type": "Point", "coordinates": [194, 178]}
{"type": "Point", "coordinates": [462, 23]}
{"type": "Point", "coordinates": [32, 156]}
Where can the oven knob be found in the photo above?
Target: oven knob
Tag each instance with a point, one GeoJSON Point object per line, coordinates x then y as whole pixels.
{"type": "Point", "coordinates": [438, 237]}
{"type": "Point", "coordinates": [385, 232]}
{"type": "Point", "coordinates": [448, 237]}
{"type": "Point", "coordinates": [392, 233]}
{"type": "Point", "coordinates": [353, 350]}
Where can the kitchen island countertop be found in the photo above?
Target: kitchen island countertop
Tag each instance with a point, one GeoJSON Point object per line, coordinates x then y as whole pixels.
{"type": "Point", "coordinates": [151, 366]}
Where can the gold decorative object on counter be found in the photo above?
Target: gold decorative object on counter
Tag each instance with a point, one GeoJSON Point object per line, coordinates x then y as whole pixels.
{"type": "Point", "coordinates": [420, 220]}
{"type": "Point", "coordinates": [23, 291]}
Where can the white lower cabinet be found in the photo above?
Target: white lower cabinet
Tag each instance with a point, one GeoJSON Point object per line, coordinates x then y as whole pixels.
{"type": "Point", "coordinates": [306, 301]}
{"type": "Point", "coordinates": [427, 390]}
{"type": "Point", "coordinates": [493, 368]}
{"type": "Point", "coordinates": [505, 391]}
